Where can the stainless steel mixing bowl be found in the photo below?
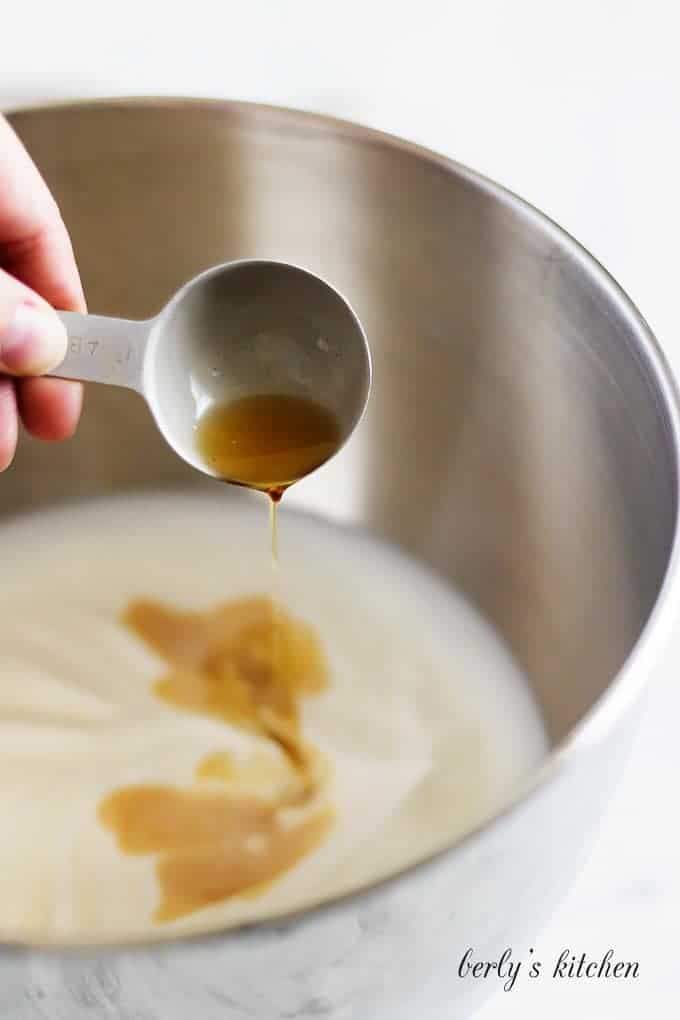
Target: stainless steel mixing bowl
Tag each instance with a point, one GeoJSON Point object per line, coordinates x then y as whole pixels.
{"type": "Point", "coordinates": [522, 439]}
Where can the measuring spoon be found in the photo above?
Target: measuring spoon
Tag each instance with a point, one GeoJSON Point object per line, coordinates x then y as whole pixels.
{"type": "Point", "coordinates": [237, 329]}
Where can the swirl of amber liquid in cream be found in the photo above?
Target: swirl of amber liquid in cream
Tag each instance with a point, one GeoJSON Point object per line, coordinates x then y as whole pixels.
{"type": "Point", "coordinates": [242, 824]}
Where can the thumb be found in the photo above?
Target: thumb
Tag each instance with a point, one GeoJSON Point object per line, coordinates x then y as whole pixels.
{"type": "Point", "coordinates": [32, 338]}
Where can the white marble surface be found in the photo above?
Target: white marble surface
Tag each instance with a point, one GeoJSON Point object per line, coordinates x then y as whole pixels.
{"type": "Point", "coordinates": [575, 106]}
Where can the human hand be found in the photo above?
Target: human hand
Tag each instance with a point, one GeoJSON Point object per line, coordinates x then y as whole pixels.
{"type": "Point", "coordinates": [37, 271]}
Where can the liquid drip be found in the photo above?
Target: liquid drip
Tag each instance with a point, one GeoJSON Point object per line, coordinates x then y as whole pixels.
{"type": "Point", "coordinates": [242, 824]}
{"type": "Point", "coordinates": [268, 441]}
{"type": "Point", "coordinates": [276, 604]}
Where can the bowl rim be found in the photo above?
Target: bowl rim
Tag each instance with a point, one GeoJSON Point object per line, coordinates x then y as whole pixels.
{"type": "Point", "coordinates": [624, 688]}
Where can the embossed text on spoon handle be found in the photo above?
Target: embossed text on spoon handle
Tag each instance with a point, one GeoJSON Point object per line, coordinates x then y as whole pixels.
{"type": "Point", "coordinates": [103, 349]}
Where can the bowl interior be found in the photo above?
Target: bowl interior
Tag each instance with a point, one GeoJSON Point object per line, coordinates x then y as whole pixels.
{"type": "Point", "coordinates": [516, 439]}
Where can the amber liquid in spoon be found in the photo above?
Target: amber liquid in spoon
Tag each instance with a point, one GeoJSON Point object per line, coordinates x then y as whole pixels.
{"type": "Point", "coordinates": [267, 441]}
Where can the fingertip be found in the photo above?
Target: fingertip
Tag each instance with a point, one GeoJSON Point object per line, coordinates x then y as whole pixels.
{"type": "Point", "coordinates": [8, 423]}
{"type": "Point", "coordinates": [33, 340]}
{"type": "Point", "coordinates": [50, 408]}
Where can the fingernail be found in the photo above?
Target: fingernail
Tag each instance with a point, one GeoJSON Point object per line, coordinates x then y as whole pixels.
{"type": "Point", "coordinates": [34, 341]}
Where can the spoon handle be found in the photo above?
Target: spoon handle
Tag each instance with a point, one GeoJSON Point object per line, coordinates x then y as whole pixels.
{"type": "Point", "coordinates": [103, 350]}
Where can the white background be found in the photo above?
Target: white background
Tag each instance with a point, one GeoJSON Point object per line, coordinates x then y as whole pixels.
{"type": "Point", "coordinates": [576, 106]}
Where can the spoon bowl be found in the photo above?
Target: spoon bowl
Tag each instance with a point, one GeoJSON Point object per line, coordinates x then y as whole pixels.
{"type": "Point", "coordinates": [236, 330]}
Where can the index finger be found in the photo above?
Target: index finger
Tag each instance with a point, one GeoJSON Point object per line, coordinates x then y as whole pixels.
{"type": "Point", "coordinates": [34, 243]}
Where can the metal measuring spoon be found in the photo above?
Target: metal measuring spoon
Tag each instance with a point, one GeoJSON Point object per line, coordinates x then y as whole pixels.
{"type": "Point", "coordinates": [238, 329]}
